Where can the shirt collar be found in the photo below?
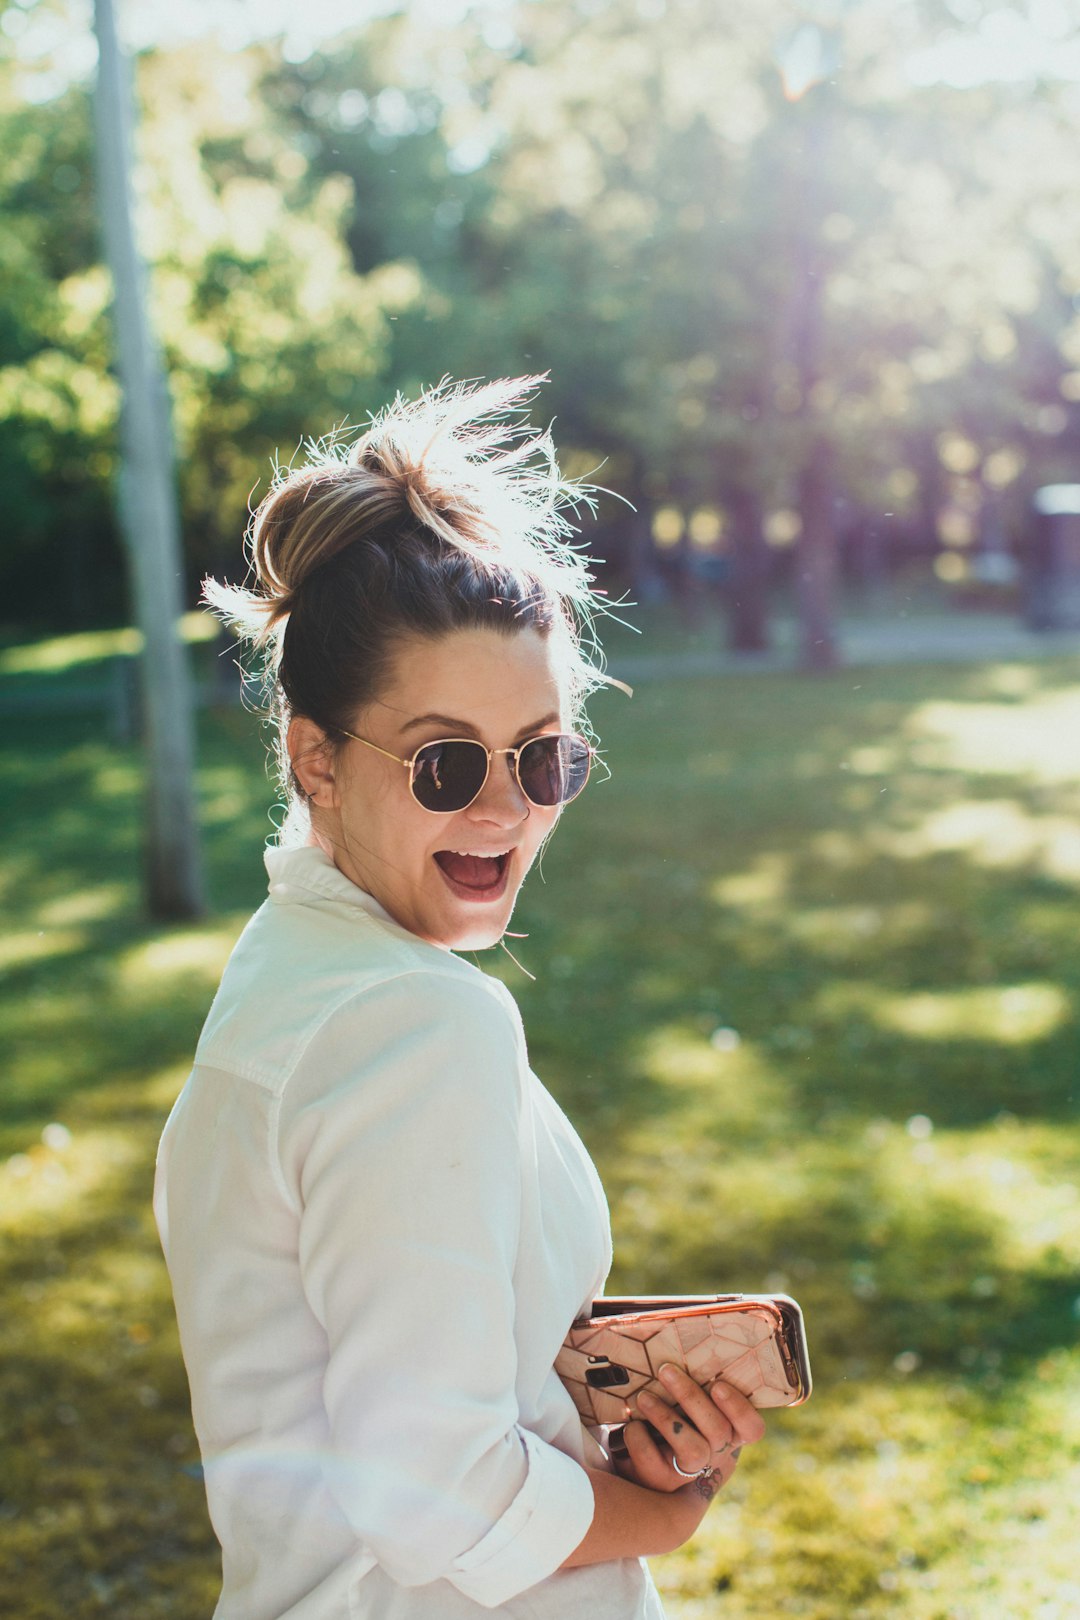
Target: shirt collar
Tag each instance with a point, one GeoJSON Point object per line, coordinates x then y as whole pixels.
{"type": "Point", "coordinates": [307, 872]}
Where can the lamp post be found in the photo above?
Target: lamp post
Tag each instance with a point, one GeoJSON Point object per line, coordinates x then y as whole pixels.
{"type": "Point", "coordinates": [147, 506]}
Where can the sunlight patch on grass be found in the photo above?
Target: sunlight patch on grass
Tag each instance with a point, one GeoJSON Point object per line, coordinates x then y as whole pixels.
{"type": "Point", "coordinates": [840, 849]}
{"type": "Point", "coordinates": [766, 892]}
{"type": "Point", "coordinates": [764, 883]}
{"type": "Point", "coordinates": [84, 906]}
{"type": "Point", "coordinates": [120, 779]}
{"type": "Point", "coordinates": [994, 833]}
{"type": "Point", "coordinates": [223, 782]}
{"type": "Point", "coordinates": [1022, 1216]}
{"type": "Point", "coordinates": [104, 1288]}
{"type": "Point", "coordinates": [64, 652]}
{"type": "Point", "coordinates": [225, 807]}
{"type": "Point", "coordinates": [998, 739]}
{"type": "Point", "coordinates": [874, 760]}
{"type": "Point", "coordinates": [1014, 681]}
{"type": "Point", "coordinates": [832, 925]}
{"type": "Point", "coordinates": [1051, 1149]}
{"type": "Point", "coordinates": [91, 646]}
{"type": "Point", "coordinates": [724, 1084]}
{"type": "Point", "coordinates": [48, 1181]}
{"type": "Point", "coordinates": [1010, 1015]}
{"type": "Point", "coordinates": [161, 1090]}
{"type": "Point", "coordinates": [1033, 1213]}
{"type": "Point", "coordinates": [200, 953]}
{"type": "Point", "coordinates": [37, 945]}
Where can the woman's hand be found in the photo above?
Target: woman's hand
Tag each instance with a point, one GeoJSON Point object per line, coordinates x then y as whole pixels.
{"type": "Point", "coordinates": [647, 1507]}
{"type": "Point", "coordinates": [698, 1428]}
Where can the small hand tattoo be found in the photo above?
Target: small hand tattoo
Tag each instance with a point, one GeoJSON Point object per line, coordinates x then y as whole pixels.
{"type": "Point", "coordinates": [707, 1487]}
{"type": "Point", "coordinates": [678, 1427]}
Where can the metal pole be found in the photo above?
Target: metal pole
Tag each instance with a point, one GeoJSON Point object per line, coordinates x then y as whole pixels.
{"type": "Point", "coordinates": [147, 502]}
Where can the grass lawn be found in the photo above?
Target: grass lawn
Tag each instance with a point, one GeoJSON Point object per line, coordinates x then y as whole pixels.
{"type": "Point", "coordinates": [807, 981]}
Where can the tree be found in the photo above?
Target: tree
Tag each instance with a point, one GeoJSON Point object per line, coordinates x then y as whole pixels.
{"type": "Point", "coordinates": [630, 196]}
{"type": "Point", "coordinates": [58, 401]}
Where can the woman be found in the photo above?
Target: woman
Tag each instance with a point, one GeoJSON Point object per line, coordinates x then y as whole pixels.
{"type": "Point", "coordinates": [378, 1224]}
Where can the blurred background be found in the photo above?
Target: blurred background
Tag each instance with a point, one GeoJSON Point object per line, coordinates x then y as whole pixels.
{"type": "Point", "coordinates": [806, 279]}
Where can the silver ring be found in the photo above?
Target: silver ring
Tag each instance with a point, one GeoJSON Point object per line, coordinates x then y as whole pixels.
{"type": "Point", "coordinates": [701, 1473]}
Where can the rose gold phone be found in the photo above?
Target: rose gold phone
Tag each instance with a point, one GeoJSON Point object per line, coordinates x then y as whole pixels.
{"type": "Point", "coordinates": [755, 1342]}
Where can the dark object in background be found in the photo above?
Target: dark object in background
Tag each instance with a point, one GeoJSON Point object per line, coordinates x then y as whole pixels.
{"type": "Point", "coordinates": [1053, 596]}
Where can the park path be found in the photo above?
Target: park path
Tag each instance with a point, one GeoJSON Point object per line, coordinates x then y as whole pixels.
{"type": "Point", "coordinates": [893, 639]}
{"type": "Point", "coordinates": [880, 639]}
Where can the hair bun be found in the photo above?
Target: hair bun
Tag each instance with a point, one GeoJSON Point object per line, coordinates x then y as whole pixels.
{"type": "Point", "coordinates": [453, 463]}
{"type": "Point", "coordinates": [280, 565]}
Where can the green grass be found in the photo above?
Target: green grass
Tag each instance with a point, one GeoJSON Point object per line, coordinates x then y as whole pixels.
{"type": "Point", "coordinates": [807, 980]}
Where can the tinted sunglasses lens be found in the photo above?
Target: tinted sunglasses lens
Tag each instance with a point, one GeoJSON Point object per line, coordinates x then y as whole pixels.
{"type": "Point", "coordinates": [448, 775]}
{"type": "Point", "coordinates": [553, 770]}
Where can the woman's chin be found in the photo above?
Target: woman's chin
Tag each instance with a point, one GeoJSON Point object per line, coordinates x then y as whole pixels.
{"type": "Point", "coordinates": [475, 928]}
{"type": "Point", "coordinates": [476, 936]}
{"type": "Point", "coordinates": [467, 922]}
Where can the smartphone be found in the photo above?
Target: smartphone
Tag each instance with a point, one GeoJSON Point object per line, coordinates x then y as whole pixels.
{"type": "Point", "coordinates": [755, 1342]}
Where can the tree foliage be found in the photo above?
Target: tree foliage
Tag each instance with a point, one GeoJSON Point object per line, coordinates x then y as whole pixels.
{"type": "Point", "coordinates": [748, 243]}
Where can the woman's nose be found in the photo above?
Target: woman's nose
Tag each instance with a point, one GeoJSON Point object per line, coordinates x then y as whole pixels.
{"type": "Point", "coordinates": [500, 799]}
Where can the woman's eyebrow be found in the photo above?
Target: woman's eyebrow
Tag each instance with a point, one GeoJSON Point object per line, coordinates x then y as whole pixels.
{"type": "Point", "coordinates": [452, 727]}
{"type": "Point", "coordinates": [462, 728]}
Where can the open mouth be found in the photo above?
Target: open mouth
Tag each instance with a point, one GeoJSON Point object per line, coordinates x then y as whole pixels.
{"type": "Point", "coordinates": [472, 876]}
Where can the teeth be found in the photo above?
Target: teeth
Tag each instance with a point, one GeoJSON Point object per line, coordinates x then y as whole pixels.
{"type": "Point", "coordinates": [481, 854]}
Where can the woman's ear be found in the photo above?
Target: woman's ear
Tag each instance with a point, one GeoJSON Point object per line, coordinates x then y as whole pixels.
{"type": "Point", "coordinates": [312, 761]}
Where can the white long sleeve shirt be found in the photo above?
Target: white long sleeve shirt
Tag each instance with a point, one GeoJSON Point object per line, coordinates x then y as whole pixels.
{"type": "Point", "coordinates": [378, 1226]}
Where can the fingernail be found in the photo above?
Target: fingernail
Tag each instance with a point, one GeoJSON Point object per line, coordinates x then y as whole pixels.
{"type": "Point", "coordinates": [669, 1372]}
{"type": "Point", "coordinates": [646, 1399]}
{"type": "Point", "coordinates": [720, 1388]}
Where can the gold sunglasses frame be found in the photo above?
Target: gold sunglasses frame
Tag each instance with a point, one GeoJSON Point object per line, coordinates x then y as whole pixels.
{"type": "Point", "coordinates": [474, 742]}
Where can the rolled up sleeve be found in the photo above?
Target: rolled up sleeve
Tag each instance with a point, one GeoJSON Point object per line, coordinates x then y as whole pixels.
{"type": "Point", "coordinates": [400, 1136]}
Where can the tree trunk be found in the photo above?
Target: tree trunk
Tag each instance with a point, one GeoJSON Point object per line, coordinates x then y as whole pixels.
{"type": "Point", "coordinates": [816, 558]}
{"type": "Point", "coordinates": [815, 561]}
{"type": "Point", "coordinates": [148, 509]}
{"type": "Point", "coordinates": [638, 558]}
{"type": "Point", "coordinates": [931, 491]}
{"type": "Point", "coordinates": [748, 623]}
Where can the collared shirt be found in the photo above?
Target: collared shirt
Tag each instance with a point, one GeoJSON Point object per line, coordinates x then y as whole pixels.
{"type": "Point", "coordinates": [379, 1225]}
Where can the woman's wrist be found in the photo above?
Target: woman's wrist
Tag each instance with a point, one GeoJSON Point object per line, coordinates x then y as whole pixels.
{"type": "Point", "coordinates": [632, 1521]}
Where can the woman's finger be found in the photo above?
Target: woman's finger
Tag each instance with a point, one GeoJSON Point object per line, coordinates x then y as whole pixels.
{"type": "Point", "coordinates": [648, 1458]}
{"type": "Point", "coordinates": [706, 1415]}
{"type": "Point", "coordinates": [746, 1421]}
{"type": "Point", "coordinates": [692, 1449]}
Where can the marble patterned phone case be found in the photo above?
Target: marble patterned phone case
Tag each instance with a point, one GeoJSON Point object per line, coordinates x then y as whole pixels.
{"type": "Point", "coordinates": [755, 1342]}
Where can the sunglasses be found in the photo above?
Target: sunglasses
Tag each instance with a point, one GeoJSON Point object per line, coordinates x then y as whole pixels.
{"type": "Point", "coordinates": [448, 775]}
